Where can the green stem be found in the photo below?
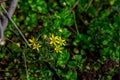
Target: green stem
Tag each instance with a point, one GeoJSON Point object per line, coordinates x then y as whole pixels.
{"type": "Point", "coordinates": [89, 4]}
{"type": "Point", "coordinates": [75, 23]}
{"type": "Point", "coordinates": [25, 63]}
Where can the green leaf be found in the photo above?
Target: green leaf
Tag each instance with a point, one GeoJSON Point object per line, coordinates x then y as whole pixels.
{"type": "Point", "coordinates": [71, 75]}
{"type": "Point", "coordinates": [72, 64]}
{"type": "Point", "coordinates": [63, 58]}
{"type": "Point", "coordinates": [109, 77]}
{"type": "Point", "coordinates": [2, 55]}
{"type": "Point", "coordinates": [77, 57]}
{"type": "Point", "coordinates": [105, 42]}
{"type": "Point", "coordinates": [66, 33]}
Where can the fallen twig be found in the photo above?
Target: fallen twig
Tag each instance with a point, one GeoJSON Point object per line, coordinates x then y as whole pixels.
{"type": "Point", "coordinates": [4, 19]}
{"type": "Point", "coordinates": [7, 14]}
{"type": "Point", "coordinates": [76, 3]}
{"type": "Point", "coordinates": [1, 32]}
{"type": "Point", "coordinates": [11, 10]}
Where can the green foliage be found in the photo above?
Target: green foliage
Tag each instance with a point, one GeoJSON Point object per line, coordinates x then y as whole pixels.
{"type": "Point", "coordinates": [91, 32]}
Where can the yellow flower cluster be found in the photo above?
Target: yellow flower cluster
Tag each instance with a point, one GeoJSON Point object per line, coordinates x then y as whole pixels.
{"type": "Point", "coordinates": [58, 42]}
{"type": "Point", "coordinates": [34, 43]}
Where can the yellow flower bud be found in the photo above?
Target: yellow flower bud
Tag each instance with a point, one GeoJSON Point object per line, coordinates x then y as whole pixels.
{"type": "Point", "coordinates": [75, 50]}
{"type": "Point", "coordinates": [18, 44]}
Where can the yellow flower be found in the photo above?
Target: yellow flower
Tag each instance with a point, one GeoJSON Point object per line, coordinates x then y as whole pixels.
{"type": "Point", "coordinates": [34, 43]}
{"type": "Point", "coordinates": [61, 41]}
{"type": "Point", "coordinates": [58, 49]}
{"type": "Point", "coordinates": [53, 39]}
{"type": "Point", "coordinates": [32, 40]}
{"type": "Point", "coordinates": [36, 46]}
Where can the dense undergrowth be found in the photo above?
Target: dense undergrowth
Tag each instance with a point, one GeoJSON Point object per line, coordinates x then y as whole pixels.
{"type": "Point", "coordinates": [69, 42]}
